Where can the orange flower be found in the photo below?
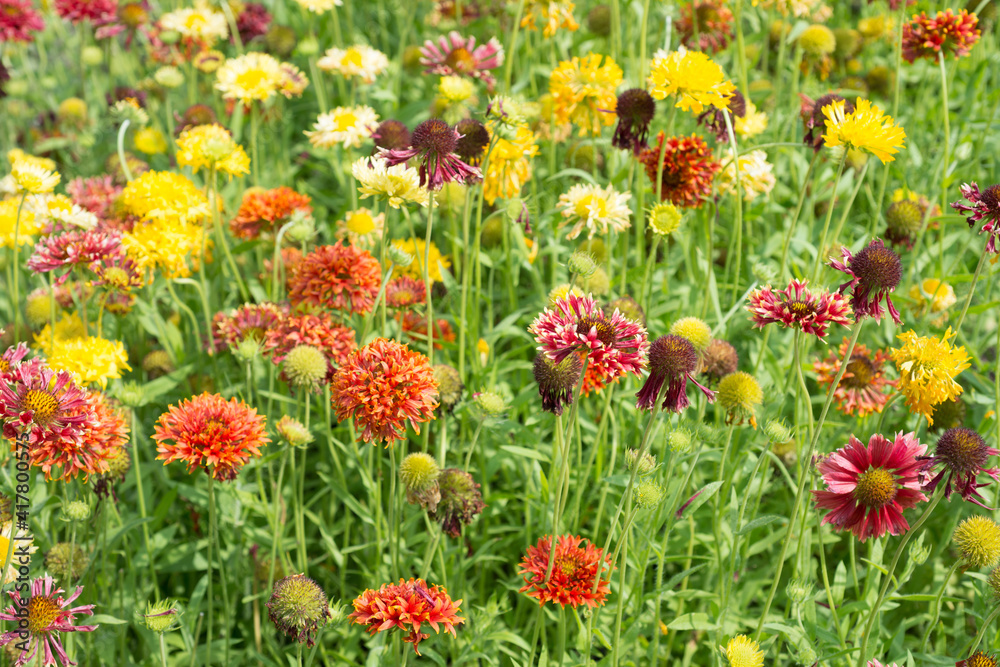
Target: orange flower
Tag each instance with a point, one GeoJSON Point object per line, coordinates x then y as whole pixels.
{"type": "Point", "coordinates": [101, 438]}
{"type": "Point", "coordinates": [210, 432]}
{"type": "Point", "coordinates": [318, 331]}
{"type": "Point", "coordinates": [572, 578]}
{"type": "Point", "coordinates": [407, 605]}
{"type": "Point", "coordinates": [382, 386]}
{"type": "Point", "coordinates": [266, 210]}
{"type": "Point", "coordinates": [339, 277]}
{"type": "Point", "coordinates": [415, 326]}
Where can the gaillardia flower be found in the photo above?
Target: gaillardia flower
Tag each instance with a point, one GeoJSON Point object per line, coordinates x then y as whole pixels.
{"type": "Point", "coordinates": [211, 147]}
{"type": "Point", "coordinates": [359, 61]}
{"type": "Point", "coordinates": [984, 207]}
{"type": "Point", "coordinates": [865, 129]}
{"type": "Point", "coordinates": [576, 324]}
{"type": "Point", "coordinates": [339, 277]}
{"type": "Point", "coordinates": [693, 77]}
{"type": "Point", "coordinates": [741, 651]}
{"type": "Point", "coordinates": [738, 394]}
{"type": "Point", "coordinates": [407, 606]}
{"type": "Point", "coordinates": [705, 25]}
{"type": "Point", "coordinates": [687, 169]}
{"type": "Point", "coordinates": [556, 382]}
{"type": "Point", "coordinates": [459, 503]}
{"type": "Point", "coordinates": [49, 615]}
{"type": "Point", "coordinates": [597, 209]}
{"type": "Point", "coordinates": [978, 542]}
{"type": "Point", "coordinates": [814, 119]}
{"type": "Point", "coordinates": [457, 55]}
{"type": "Point", "coordinates": [869, 487]}
{"type": "Point", "coordinates": [347, 126]}
{"type": "Point", "coordinates": [635, 110]}
{"type": "Point", "coordinates": [383, 386]}
{"type": "Point", "coordinates": [672, 361]}
{"type": "Point", "coordinates": [796, 307]}
{"type": "Point", "coordinates": [298, 608]}
{"type": "Point", "coordinates": [875, 272]}
{"type": "Point", "coordinates": [583, 91]}
{"type": "Point", "coordinates": [575, 567]}
{"type": "Point", "coordinates": [210, 432]}
{"type": "Point", "coordinates": [961, 454]}
{"type": "Point", "coordinates": [947, 34]}
{"type": "Point", "coordinates": [978, 659]}
{"type": "Point", "coordinates": [40, 401]}
{"type": "Point", "coordinates": [862, 388]}
{"type": "Point", "coordinates": [927, 369]}
{"type": "Point", "coordinates": [434, 143]}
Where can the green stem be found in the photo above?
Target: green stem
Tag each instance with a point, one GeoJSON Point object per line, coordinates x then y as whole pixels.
{"type": "Point", "coordinates": [972, 290]}
{"type": "Point", "coordinates": [213, 195]}
{"type": "Point", "coordinates": [213, 520]}
{"type": "Point", "coordinates": [16, 264]}
{"type": "Point", "coordinates": [427, 279]}
{"type": "Point", "coordinates": [982, 631]}
{"type": "Point", "coordinates": [510, 47]}
{"type": "Point", "coordinates": [947, 131]}
{"type": "Point", "coordinates": [795, 216]}
{"type": "Point", "coordinates": [821, 248]}
{"type": "Point", "coordinates": [136, 465]}
{"type": "Point", "coordinates": [936, 605]}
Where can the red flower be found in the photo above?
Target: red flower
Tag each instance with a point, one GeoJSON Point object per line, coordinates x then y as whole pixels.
{"type": "Point", "coordinates": [210, 432]}
{"type": "Point", "coordinates": [947, 33]}
{"type": "Point", "coordinates": [95, 11]}
{"type": "Point", "coordinates": [407, 605]}
{"type": "Point", "coordinates": [616, 345]}
{"type": "Point", "coordinates": [102, 437]}
{"type": "Point", "coordinates": [574, 569]}
{"type": "Point", "coordinates": [267, 210]}
{"type": "Point", "coordinates": [339, 277]}
{"type": "Point", "coordinates": [75, 247]}
{"type": "Point", "coordinates": [251, 320]}
{"type": "Point", "coordinates": [319, 331]}
{"type": "Point", "coordinates": [862, 388]}
{"type": "Point", "coordinates": [454, 54]}
{"type": "Point", "coordinates": [798, 308]}
{"type": "Point", "coordinates": [962, 454]}
{"type": "Point", "coordinates": [253, 22]}
{"type": "Point", "coordinates": [11, 359]}
{"type": "Point", "coordinates": [985, 207]}
{"type": "Point", "coordinates": [869, 487]}
{"type": "Point", "coordinates": [714, 26]}
{"type": "Point", "coordinates": [672, 361]}
{"type": "Point", "coordinates": [382, 386]}
{"type": "Point", "coordinates": [18, 20]}
{"type": "Point", "coordinates": [875, 272]}
{"type": "Point", "coordinates": [404, 292]}
{"type": "Point", "coordinates": [48, 616]}
{"type": "Point", "coordinates": [688, 169]}
{"type": "Point", "coordinates": [36, 399]}
{"type": "Point", "coordinates": [433, 143]}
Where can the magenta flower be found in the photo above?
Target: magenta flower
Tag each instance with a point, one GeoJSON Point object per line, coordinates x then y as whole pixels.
{"type": "Point", "coordinates": [798, 308]}
{"type": "Point", "coordinates": [613, 346]}
{"type": "Point", "coordinates": [875, 272]}
{"type": "Point", "coordinates": [117, 272]}
{"type": "Point", "coordinates": [672, 361]}
{"type": "Point", "coordinates": [76, 247]}
{"type": "Point", "coordinates": [98, 12]}
{"type": "Point", "coordinates": [38, 400]}
{"type": "Point", "coordinates": [49, 615]}
{"type": "Point", "coordinates": [454, 54]}
{"type": "Point", "coordinates": [962, 454]}
{"type": "Point", "coordinates": [985, 208]}
{"type": "Point", "coordinates": [97, 194]}
{"type": "Point", "coordinates": [18, 20]}
{"type": "Point", "coordinates": [434, 142]}
{"type": "Point", "coordinates": [11, 359]}
{"type": "Point", "coordinates": [869, 487]}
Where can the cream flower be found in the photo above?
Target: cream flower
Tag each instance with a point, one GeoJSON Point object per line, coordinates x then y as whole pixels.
{"type": "Point", "coordinates": [201, 23]}
{"type": "Point", "coordinates": [344, 125]}
{"type": "Point", "coordinates": [61, 209]}
{"type": "Point", "coordinates": [753, 123]}
{"type": "Point", "coordinates": [252, 76]}
{"type": "Point", "coordinates": [598, 209]}
{"type": "Point", "coordinates": [33, 178]}
{"type": "Point", "coordinates": [359, 60]}
{"type": "Point", "coordinates": [756, 176]}
{"type": "Point", "coordinates": [398, 184]}
{"type": "Point", "coordinates": [319, 6]}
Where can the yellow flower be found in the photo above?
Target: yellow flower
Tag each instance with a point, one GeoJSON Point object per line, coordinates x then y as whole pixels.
{"type": "Point", "coordinates": [165, 245]}
{"type": "Point", "coordinates": [398, 185]}
{"type": "Point", "coordinates": [8, 221]}
{"type": "Point", "coordinates": [509, 165]}
{"type": "Point", "coordinates": [67, 327]}
{"type": "Point", "coordinates": [927, 369]}
{"type": "Point", "coordinates": [941, 295]}
{"type": "Point", "coordinates": [32, 178]}
{"type": "Point", "coordinates": [212, 147]}
{"type": "Point", "coordinates": [61, 209]}
{"type": "Point", "coordinates": [693, 77]}
{"type": "Point", "coordinates": [164, 195]}
{"type": "Point", "coordinates": [752, 124]}
{"type": "Point", "coordinates": [562, 291]}
{"type": "Point", "coordinates": [89, 359]}
{"type": "Point", "coordinates": [361, 61]}
{"type": "Point", "coordinates": [319, 6]}
{"type": "Point", "coordinates": [554, 13]}
{"type": "Point", "coordinates": [201, 23]}
{"type": "Point", "coordinates": [664, 218]}
{"type": "Point", "coordinates": [416, 248]}
{"type": "Point", "coordinates": [361, 228]}
{"type": "Point", "coordinates": [150, 141]}
{"type": "Point", "coordinates": [17, 155]}
{"type": "Point", "coordinates": [595, 208]}
{"type": "Point", "coordinates": [484, 351]}
{"type": "Point", "coordinates": [583, 92]}
{"type": "Point", "coordinates": [456, 88]}
{"type": "Point", "coordinates": [877, 27]}
{"type": "Point", "coordinates": [741, 651]}
{"type": "Point", "coordinates": [24, 541]}
{"type": "Point", "coordinates": [865, 129]}
{"type": "Point", "coordinates": [252, 76]}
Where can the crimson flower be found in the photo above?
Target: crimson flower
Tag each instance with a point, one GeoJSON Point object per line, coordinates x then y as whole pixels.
{"type": "Point", "coordinates": [705, 25]}
{"type": "Point", "coordinates": [947, 33]}
{"type": "Point", "coordinates": [434, 144]}
{"type": "Point", "coordinates": [796, 307]}
{"type": "Point", "coordinates": [454, 54]}
{"type": "Point", "coordinates": [875, 272]}
{"type": "Point", "coordinates": [18, 20]}
{"type": "Point", "coordinates": [984, 207]}
{"type": "Point", "coordinates": [251, 320]}
{"type": "Point", "coordinates": [43, 402]}
{"type": "Point", "coordinates": [961, 454]}
{"type": "Point", "coordinates": [75, 247]}
{"type": "Point", "coordinates": [571, 582]}
{"type": "Point", "coordinates": [407, 605]}
{"type": "Point", "coordinates": [672, 361]}
{"type": "Point", "coordinates": [868, 487]}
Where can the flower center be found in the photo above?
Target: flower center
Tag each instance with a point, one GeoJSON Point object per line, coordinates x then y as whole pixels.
{"type": "Point", "coordinates": [981, 660]}
{"type": "Point", "coordinates": [345, 121]}
{"type": "Point", "coordinates": [361, 223]}
{"type": "Point", "coordinates": [591, 205]}
{"type": "Point", "coordinates": [4, 365]}
{"type": "Point", "coordinates": [963, 450]}
{"type": "Point", "coordinates": [878, 267]}
{"type": "Point", "coordinates": [991, 197]}
{"type": "Point", "coordinates": [352, 57]}
{"type": "Point", "coordinates": [876, 488]}
{"type": "Point", "coordinates": [862, 372]}
{"type": "Point", "coordinates": [800, 308]}
{"type": "Point", "coordinates": [42, 404]}
{"type": "Point", "coordinates": [251, 79]}
{"type": "Point", "coordinates": [195, 22]}
{"type": "Point", "coordinates": [461, 60]}
{"type": "Point", "coordinates": [605, 332]}
{"type": "Point", "coordinates": [42, 613]}
{"type": "Point", "coordinates": [116, 277]}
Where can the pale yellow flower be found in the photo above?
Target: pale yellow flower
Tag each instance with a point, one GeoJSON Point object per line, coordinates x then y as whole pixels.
{"type": "Point", "coordinates": [348, 126]}
{"type": "Point", "coordinates": [201, 23]}
{"type": "Point", "coordinates": [32, 178]}
{"type": "Point", "coordinates": [756, 175]}
{"type": "Point", "coordinates": [597, 209]}
{"type": "Point", "coordinates": [752, 124]}
{"type": "Point", "coordinates": [319, 6]}
{"type": "Point", "coordinates": [398, 185]}
{"type": "Point", "coordinates": [360, 61]}
{"type": "Point", "coordinates": [361, 228]}
{"type": "Point", "coordinates": [211, 147]}
{"type": "Point", "coordinates": [252, 76]}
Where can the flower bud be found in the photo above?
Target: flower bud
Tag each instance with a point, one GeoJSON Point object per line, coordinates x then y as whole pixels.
{"type": "Point", "coordinates": [645, 464]}
{"type": "Point", "coordinates": [581, 264]}
{"type": "Point", "coordinates": [647, 494]}
{"type": "Point", "coordinates": [418, 472]}
{"type": "Point", "coordinates": [489, 404]}
{"type": "Point", "coordinates": [76, 511]}
{"type": "Point", "coordinates": [293, 431]}
{"type": "Point", "coordinates": [160, 616]}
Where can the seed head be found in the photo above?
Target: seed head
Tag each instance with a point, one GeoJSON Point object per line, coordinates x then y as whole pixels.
{"type": "Point", "coordinates": [489, 404]}
{"type": "Point", "coordinates": [76, 511]}
{"type": "Point", "coordinates": [305, 366]}
{"type": "Point", "coordinates": [67, 562]}
{"type": "Point", "coordinates": [472, 144]}
{"type": "Point", "coordinates": [695, 330]}
{"type": "Point", "coordinates": [877, 268]}
{"type": "Point", "coordinates": [450, 385]}
{"type": "Point", "coordinates": [461, 501]}
{"type": "Point", "coordinates": [719, 359]}
{"type": "Point", "coordinates": [905, 217]}
{"type": "Point", "coordinates": [817, 40]}
{"type": "Point", "coordinates": [556, 382]}
{"type": "Point", "coordinates": [298, 607]}
{"type": "Point", "coordinates": [738, 393]}
{"type": "Point", "coordinates": [672, 356]}
{"type": "Point", "coordinates": [978, 541]}
{"type": "Point", "coordinates": [994, 582]}
{"type": "Point", "coordinates": [418, 472]}
{"type": "Point", "coordinates": [599, 20]}
{"type": "Point", "coordinates": [962, 450]}
{"type": "Point", "coordinates": [434, 137]}
{"type": "Point", "coordinates": [391, 135]}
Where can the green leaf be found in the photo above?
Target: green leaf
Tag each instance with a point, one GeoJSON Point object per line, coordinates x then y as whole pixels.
{"type": "Point", "coordinates": [758, 522]}
{"type": "Point", "coordinates": [104, 619]}
{"type": "Point", "coordinates": [704, 496]}
{"type": "Point", "coordinates": [695, 621]}
{"type": "Point", "coordinates": [526, 452]}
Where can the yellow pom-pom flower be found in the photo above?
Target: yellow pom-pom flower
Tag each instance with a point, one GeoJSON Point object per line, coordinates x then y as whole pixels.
{"type": "Point", "coordinates": [865, 129]}
{"type": "Point", "coordinates": [738, 394]}
{"type": "Point", "coordinates": [695, 330]}
{"type": "Point", "coordinates": [927, 369]}
{"type": "Point", "coordinates": [692, 76]}
{"type": "Point", "coordinates": [978, 541]}
{"type": "Point", "coordinates": [741, 651]}
{"type": "Point", "coordinates": [211, 147]}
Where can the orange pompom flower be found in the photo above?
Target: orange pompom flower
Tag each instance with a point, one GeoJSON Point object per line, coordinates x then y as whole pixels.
{"type": "Point", "coordinates": [267, 210]}
{"type": "Point", "coordinates": [382, 386]}
{"type": "Point", "coordinates": [210, 432]}
{"type": "Point", "coordinates": [407, 605]}
{"type": "Point", "coordinates": [339, 277]}
{"type": "Point", "coordinates": [572, 579]}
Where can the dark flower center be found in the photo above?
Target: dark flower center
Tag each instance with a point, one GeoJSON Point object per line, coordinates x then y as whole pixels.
{"type": "Point", "coordinates": [43, 611]}
{"type": "Point", "coordinates": [801, 308]}
{"type": "Point", "coordinates": [42, 404]}
{"type": "Point", "coordinates": [963, 450]}
{"type": "Point", "coordinates": [636, 106]}
{"type": "Point", "coordinates": [876, 488]}
{"type": "Point", "coordinates": [672, 356]}
{"type": "Point", "coordinates": [862, 372]}
{"type": "Point", "coordinates": [877, 267]}
{"type": "Point", "coordinates": [980, 659]}
{"type": "Point", "coordinates": [473, 140]}
{"type": "Point", "coordinates": [991, 198]}
{"type": "Point", "coordinates": [435, 136]}
{"type": "Point", "coordinates": [605, 332]}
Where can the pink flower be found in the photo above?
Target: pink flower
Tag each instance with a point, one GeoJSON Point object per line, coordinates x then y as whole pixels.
{"type": "Point", "coordinates": [76, 247]}
{"type": "Point", "coordinates": [455, 54]}
{"type": "Point", "coordinates": [97, 194]}
{"type": "Point", "coordinates": [18, 20]}
{"type": "Point", "coordinates": [798, 308]}
{"type": "Point", "coordinates": [615, 345]}
{"type": "Point", "coordinates": [875, 272]}
{"type": "Point", "coordinates": [38, 400]}
{"type": "Point", "coordinates": [869, 487]}
{"type": "Point", "coordinates": [49, 614]}
{"type": "Point", "coordinates": [985, 206]}
{"type": "Point", "coordinates": [673, 360]}
{"type": "Point", "coordinates": [434, 143]}
{"type": "Point", "coordinates": [11, 359]}
{"type": "Point", "coordinates": [97, 12]}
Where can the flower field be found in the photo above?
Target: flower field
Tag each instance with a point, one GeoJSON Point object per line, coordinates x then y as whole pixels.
{"type": "Point", "coordinates": [500, 332]}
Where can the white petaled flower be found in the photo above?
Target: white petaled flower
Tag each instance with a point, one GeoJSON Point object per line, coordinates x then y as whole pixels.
{"type": "Point", "coordinates": [348, 126]}
{"type": "Point", "coordinates": [33, 178]}
{"type": "Point", "coordinates": [201, 23]}
{"type": "Point", "coordinates": [595, 208]}
{"type": "Point", "coordinates": [319, 6]}
{"type": "Point", "coordinates": [756, 176]}
{"type": "Point", "coordinates": [252, 76]}
{"type": "Point", "coordinates": [60, 209]}
{"type": "Point", "coordinates": [398, 185]}
{"type": "Point", "coordinates": [359, 60]}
